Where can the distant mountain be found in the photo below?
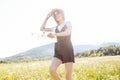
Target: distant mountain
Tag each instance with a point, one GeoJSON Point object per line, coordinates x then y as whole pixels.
{"type": "Point", "coordinates": [47, 51]}
{"type": "Point", "coordinates": [41, 52]}
{"type": "Point", "coordinates": [110, 43]}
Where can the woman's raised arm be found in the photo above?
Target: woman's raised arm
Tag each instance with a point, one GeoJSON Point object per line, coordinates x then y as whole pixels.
{"type": "Point", "coordinates": [45, 21]}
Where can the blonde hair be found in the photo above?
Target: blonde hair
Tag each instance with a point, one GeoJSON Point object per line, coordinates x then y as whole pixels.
{"type": "Point", "coordinates": [59, 11]}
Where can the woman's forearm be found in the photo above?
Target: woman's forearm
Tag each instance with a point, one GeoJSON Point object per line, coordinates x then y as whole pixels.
{"type": "Point", "coordinates": [66, 33]}
{"type": "Point", "coordinates": [44, 24]}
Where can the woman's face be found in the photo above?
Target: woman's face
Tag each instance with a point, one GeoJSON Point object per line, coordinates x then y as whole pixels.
{"type": "Point", "coordinates": [58, 16]}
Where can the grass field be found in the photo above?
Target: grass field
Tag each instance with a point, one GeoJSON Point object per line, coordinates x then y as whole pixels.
{"type": "Point", "coordinates": [93, 68]}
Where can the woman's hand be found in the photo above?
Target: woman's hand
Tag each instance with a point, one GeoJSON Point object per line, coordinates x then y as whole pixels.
{"type": "Point", "coordinates": [51, 35]}
{"type": "Point", "coordinates": [50, 13]}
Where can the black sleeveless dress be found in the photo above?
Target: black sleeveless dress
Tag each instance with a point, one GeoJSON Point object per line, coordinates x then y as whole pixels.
{"type": "Point", "coordinates": [63, 47]}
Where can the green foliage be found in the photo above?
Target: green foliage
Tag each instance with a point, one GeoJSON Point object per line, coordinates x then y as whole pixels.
{"type": "Point", "coordinates": [3, 62]}
{"type": "Point", "coordinates": [103, 51]}
{"type": "Point", "coordinates": [92, 68]}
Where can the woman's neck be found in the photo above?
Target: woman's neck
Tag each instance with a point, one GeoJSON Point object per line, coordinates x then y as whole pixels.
{"type": "Point", "coordinates": [60, 22]}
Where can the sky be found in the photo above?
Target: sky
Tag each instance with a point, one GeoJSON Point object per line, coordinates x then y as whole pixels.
{"type": "Point", "coordinates": [93, 22]}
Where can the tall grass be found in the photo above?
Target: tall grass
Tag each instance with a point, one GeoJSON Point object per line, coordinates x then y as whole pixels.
{"type": "Point", "coordinates": [94, 68]}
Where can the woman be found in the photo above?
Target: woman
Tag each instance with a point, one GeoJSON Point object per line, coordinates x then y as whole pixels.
{"type": "Point", "coordinates": [63, 46]}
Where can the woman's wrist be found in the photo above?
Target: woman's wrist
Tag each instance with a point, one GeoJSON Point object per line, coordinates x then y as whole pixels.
{"type": "Point", "coordinates": [55, 34]}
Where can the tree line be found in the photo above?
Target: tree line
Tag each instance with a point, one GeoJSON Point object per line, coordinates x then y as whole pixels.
{"type": "Point", "coordinates": [102, 51]}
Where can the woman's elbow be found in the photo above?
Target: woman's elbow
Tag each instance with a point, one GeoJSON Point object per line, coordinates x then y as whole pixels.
{"type": "Point", "coordinates": [41, 29]}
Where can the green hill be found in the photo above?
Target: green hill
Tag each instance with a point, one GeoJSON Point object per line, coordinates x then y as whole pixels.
{"type": "Point", "coordinates": [102, 51]}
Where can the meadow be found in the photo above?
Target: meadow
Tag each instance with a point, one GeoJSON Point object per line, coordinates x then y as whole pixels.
{"type": "Point", "coordinates": [89, 68]}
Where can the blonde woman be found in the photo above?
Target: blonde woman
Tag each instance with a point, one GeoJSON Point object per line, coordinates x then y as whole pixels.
{"type": "Point", "coordinates": [63, 47]}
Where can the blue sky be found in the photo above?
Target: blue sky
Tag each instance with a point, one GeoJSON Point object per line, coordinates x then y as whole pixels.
{"type": "Point", "coordinates": [93, 22]}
